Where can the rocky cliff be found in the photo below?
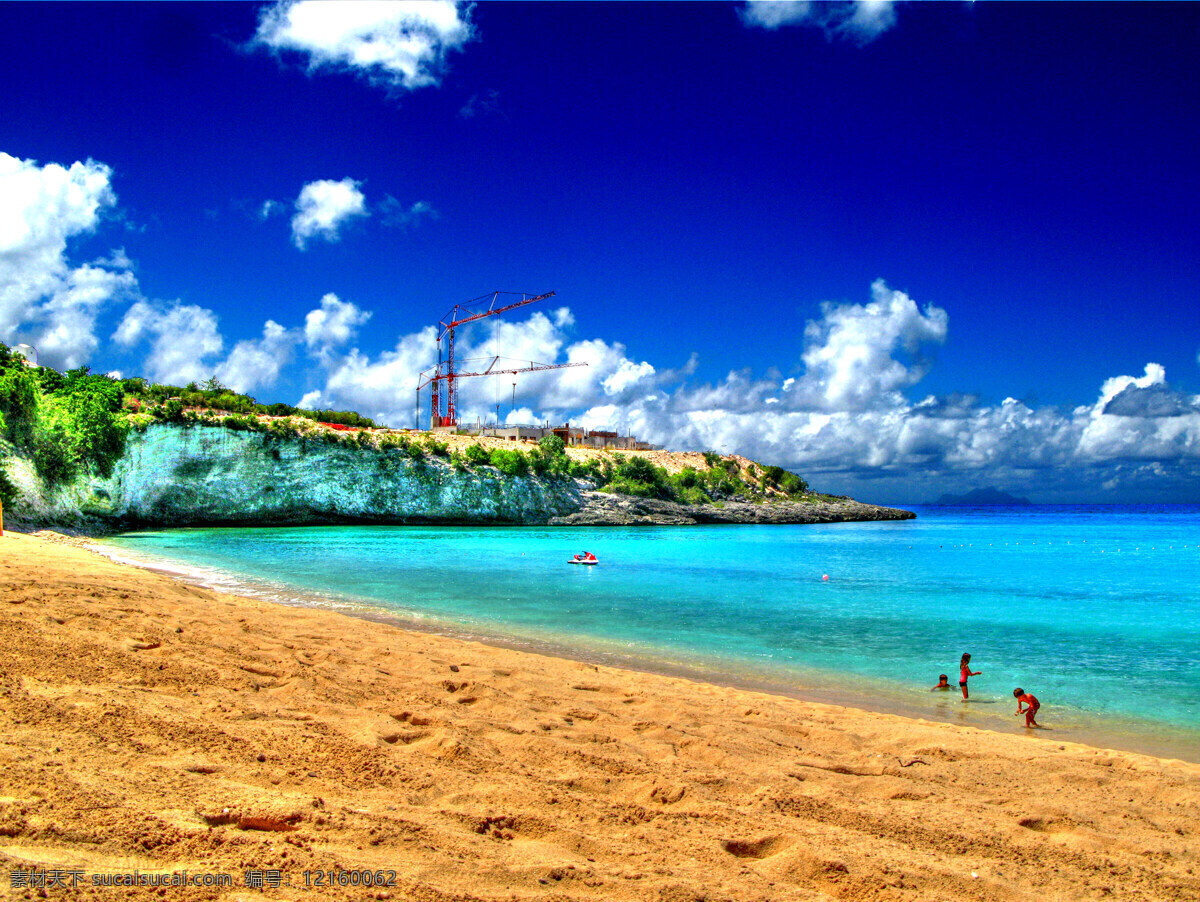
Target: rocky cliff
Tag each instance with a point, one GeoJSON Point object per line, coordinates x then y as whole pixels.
{"type": "Point", "coordinates": [180, 476]}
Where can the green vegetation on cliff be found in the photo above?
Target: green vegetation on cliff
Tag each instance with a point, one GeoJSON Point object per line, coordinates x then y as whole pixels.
{"type": "Point", "coordinates": [723, 480]}
{"type": "Point", "coordinates": [168, 403]}
{"type": "Point", "coordinates": [66, 423]}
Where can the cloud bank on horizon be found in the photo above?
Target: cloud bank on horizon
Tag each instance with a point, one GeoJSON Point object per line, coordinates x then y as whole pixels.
{"type": "Point", "coordinates": [842, 416]}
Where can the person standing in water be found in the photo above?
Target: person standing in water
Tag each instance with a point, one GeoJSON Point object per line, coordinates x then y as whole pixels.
{"type": "Point", "coordinates": [964, 671]}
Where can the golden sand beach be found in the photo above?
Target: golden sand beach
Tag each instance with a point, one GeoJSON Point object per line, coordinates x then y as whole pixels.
{"type": "Point", "coordinates": [151, 726]}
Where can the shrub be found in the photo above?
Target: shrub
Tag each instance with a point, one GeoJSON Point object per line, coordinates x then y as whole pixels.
{"type": "Point", "coordinates": [694, 495]}
{"type": "Point", "coordinates": [712, 458]}
{"type": "Point", "coordinates": [510, 463]}
{"type": "Point", "coordinates": [137, 386]}
{"type": "Point", "coordinates": [477, 455]}
{"type": "Point", "coordinates": [579, 469]}
{"type": "Point", "coordinates": [637, 476]}
{"type": "Point", "coordinates": [436, 448]}
{"type": "Point", "coordinates": [8, 491]}
{"type": "Point", "coordinates": [19, 393]}
{"type": "Point", "coordinates": [240, 424]}
{"type": "Point", "coordinates": [171, 411]}
{"type": "Point", "coordinates": [793, 484]}
{"type": "Point", "coordinates": [51, 452]}
{"type": "Point", "coordinates": [67, 422]}
{"type": "Point", "coordinates": [624, 486]}
{"type": "Point", "coordinates": [90, 409]}
{"type": "Point", "coordinates": [717, 483]}
{"type": "Point", "coordinates": [640, 470]}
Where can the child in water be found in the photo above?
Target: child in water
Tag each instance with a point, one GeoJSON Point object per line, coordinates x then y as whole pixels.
{"type": "Point", "coordinates": [1024, 698]}
{"type": "Point", "coordinates": [943, 683]}
{"type": "Point", "coordinates": [964, 670]}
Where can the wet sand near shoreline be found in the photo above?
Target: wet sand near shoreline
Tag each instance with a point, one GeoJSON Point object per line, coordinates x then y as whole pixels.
{"type": "Point", "coordinates": [151, 725]}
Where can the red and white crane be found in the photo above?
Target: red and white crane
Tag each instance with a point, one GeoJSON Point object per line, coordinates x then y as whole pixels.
{"type": "Point", "coordinates": [444, 371]}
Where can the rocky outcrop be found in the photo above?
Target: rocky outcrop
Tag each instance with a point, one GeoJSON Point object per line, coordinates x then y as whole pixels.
{"type": "Point", "coordinates": [210, 475]}
{"type": "Point", "coordinates": [602, 509]}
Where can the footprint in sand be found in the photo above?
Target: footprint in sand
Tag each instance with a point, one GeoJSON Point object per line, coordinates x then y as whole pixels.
{"type": "Point", "coordinates": [755, 848]}
{"type": "Point", "coordinates": [404, 737]}
{"type": "Point", "coordinates": [260, 670]}
{"type": "Point", "coordinates": [141, 645]}
{"type": "Point", "coordinates": [1047, 824]}
{"type": "Point", "coordinates": [200, 767]}
{"type": "Point", "coordinates": [417, 720]}
{"type": "Point", "coordinates": [667, 795]}
{"type": "Point", "coordinates": [500, 827]}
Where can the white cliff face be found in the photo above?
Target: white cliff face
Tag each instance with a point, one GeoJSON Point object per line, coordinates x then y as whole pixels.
{"type": "Point", "coordinates": [210, 475]}
{"type": "Point", "coordinates": [175, 475]}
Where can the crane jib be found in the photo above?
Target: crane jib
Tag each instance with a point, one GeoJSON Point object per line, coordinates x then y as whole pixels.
{"type": "Point", "coordinates": [447, 373]}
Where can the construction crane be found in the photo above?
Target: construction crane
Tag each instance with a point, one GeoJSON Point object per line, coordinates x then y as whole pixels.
{"type": "Point", "coordinates": [444, 371]}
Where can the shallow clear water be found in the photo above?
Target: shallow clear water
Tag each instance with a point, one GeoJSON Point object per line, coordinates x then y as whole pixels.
{"type": "Point", "coordinates": [1096, 610]}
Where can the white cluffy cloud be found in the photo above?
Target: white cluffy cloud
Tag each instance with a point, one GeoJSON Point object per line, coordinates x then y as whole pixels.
{"type": "Point", "coordinates": [849, 352]}
{"type": "Point", "coordinates": [46, 301]}
{"type": "Point", "coordinates": [186, 344]}
{"type": "Point", "coordinates": [184, 339]}
{"type": "Point", "coordinates": [861, 21]}
{"type": "Point", "coordinates": [398, 43]}
{"type": "Point", "coordinates": [333, 324]}
{"type": "Point", "coordinates": [323, 207]}
{"type": "Point", "coordinates": [258, 362]}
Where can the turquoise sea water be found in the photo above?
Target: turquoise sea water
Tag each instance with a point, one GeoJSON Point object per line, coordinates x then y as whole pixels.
{"type": "Point", "coordinates": [1096, 610]}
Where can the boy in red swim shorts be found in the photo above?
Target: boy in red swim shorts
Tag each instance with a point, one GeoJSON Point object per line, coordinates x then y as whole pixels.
{"type": "Point", "coordinates": [1024, 698]}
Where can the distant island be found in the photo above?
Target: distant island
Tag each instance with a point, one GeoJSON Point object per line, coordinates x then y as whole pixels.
{"type": "Point", "coordinates": [990, 495]}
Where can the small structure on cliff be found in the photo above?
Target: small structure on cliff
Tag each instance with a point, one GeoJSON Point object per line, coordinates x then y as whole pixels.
{"type": "Point", "coordinates": [572, 436]}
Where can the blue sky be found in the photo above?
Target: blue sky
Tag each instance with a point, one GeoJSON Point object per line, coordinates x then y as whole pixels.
{"type": "Point", "coordinates": [901, 248]}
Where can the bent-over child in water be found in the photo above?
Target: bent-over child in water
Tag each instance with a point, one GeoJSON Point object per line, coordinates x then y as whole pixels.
{"type": "Point", "coordinates": [1025, 698]}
